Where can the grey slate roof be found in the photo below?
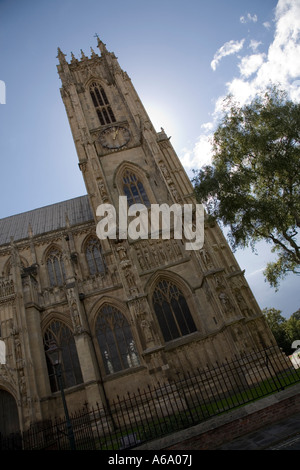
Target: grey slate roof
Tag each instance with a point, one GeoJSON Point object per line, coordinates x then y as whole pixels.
{"type": "Point", "coordinates": [45, 219]}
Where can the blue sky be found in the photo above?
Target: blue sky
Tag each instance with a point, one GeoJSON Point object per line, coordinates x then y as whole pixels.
{"type": "Point", "coordinates": [183, 57]}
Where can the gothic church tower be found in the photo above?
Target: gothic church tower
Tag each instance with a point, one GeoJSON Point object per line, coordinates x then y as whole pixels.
{"type": "Point", "coordinates": [126, 312]}
{"type": "Point", "coordinates": [185, 308]}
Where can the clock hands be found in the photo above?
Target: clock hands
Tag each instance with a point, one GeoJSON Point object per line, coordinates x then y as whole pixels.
{"type": "Point", "coordinates": [116, 133]}
{"type": "Point", "coordinates": [114, 137]}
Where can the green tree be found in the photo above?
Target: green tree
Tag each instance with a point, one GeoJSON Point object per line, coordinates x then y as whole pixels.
{"type": "Point", "coordinates": [292, 328]}
{"type": "Point", "coordinates": [277, 324]}
{"type": "Point", "coordinates": [285, 330]}
{"type": "Point", "coordinates": [253, 184]}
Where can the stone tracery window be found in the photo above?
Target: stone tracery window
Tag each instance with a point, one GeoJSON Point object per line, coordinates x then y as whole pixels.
{"type": "Point", "coordinates": [101, 103]}
{"type": "Point", "coordinates": [115, 340]}
{"type": "Point", "coordinates": [172, 311]}
{"type": "Point", "coordinates": [71, 371]}
{"type": "Point", "coordinates": [94, 257]}
{"type": "Point", "coordinates": [134, 189]}
{"type": "Point", "coordinates": [56, 268]}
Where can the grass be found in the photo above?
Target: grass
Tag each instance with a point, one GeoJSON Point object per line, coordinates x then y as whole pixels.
{"type": "Point", "coordinates": [192, 415]}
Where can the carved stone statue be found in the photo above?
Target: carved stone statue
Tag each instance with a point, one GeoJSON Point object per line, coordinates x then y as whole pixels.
{"type": "Point", "coordinates": [108, 363]}
{"type": "Point", "coordinates": [147, 330]}
{"type": "Point", "coordinates": [132, 358]}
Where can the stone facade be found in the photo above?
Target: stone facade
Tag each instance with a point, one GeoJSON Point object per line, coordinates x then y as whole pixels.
{"type": "Point", "coordinates": [126, 313]}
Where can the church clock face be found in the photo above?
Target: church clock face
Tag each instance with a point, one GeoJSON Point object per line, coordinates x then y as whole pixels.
{"type": "Point", "coordinates": [114, 137]}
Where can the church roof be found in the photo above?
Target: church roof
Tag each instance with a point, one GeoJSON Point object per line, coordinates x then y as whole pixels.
{"type": "Point", "coordinates": [45, 219]}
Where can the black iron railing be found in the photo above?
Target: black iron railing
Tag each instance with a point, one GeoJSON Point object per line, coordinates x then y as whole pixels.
{"type": "Point", "coordinates": [188, 399]}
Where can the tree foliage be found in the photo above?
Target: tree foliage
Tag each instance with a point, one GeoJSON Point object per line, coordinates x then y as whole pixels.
{"type": "Point", "coordinates": [253, 184]}
{"type": "Point", "coordinates": [285, 331]}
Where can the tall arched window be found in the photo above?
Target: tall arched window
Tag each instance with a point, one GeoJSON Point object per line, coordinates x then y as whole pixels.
{"type": "Point", "coordinates": [56, 268]}
{"type": "Point", "coordinates": [172, 312]}
{"type": "Point", "coordinates": [115, 340]}
{"type": "Point", "coordinates": [64, 339]}
{"type": "Point", "coordinates": [101, 103]}
{"type": "Point", "coordinates": [134, 189]}
{"type": "Point", "coordinates": [93, 256]}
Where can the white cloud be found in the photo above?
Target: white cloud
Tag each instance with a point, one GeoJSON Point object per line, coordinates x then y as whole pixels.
{"type": "Point", "coordinates": [254, 45]}
{"type": "Point", "coordinates": [241, 90]}
{"type": "Point", "coordinates": [207, 126]}
{"type": "Point", "coordinates": [283, 61]}
{"type": "Point", "coordinates": [247, 18]}
{"type": "Point", "coordinates": [279, 65]}
{"type": "Point", "coordinates": [257, 271]}
{"type": "Point", "coordinates": [295, 91]}
{"type": "Point", "coordinates": [250, 64]}
{"type": "Point", "coordinates": [200, 155]}
{"type": "Point", "coordinates": [230, 47]}
{"type": "Point", "coordinates": [267, 24]}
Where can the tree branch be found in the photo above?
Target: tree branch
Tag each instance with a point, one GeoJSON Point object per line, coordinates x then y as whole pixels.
{"type": "Point", "coordinates": [276, 241]}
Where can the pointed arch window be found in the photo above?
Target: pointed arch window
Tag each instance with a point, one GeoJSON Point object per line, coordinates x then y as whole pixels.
{"type": "Point", "coordinates": [101, 103]}
{"type": "Point", "coordinates": [56, 268]}
{"type": "Point", "coordinates": [93, 257]}
{"type": "Point", "coordinates": [115, 340]}
{"type": "Point", "coordinates": [172, 311]}
{"type": "Point", "coordinates": [70, 367]}
{"type": "Point", "coordinates": [134, 189]}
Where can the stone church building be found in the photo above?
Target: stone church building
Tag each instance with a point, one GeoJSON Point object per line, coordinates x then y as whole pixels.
{"type": "Point", "coordinates": [126, 313]}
